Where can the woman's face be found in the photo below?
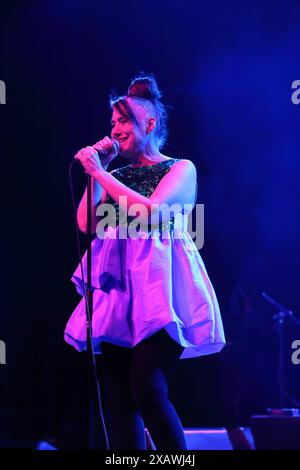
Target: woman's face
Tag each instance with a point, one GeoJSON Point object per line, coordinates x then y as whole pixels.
{"type": "Point", "coordinates": [132, 136]}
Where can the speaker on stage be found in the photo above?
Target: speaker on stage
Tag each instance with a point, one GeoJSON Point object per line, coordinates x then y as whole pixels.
{"type": "Point", "coordinates": [201, 439]}
{"type": "Point", "coordinates": [207, 439]}
{"type": "Point", "coordinates": [276, 432]}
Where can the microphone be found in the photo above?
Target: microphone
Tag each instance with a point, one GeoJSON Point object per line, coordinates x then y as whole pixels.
{"type": "Point", "coordinates": [115, 148]}
{"type": "Point", "coordinates": [116, 145]}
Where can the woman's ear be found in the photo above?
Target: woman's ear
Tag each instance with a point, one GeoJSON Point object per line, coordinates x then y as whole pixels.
{"type": "Point", "coordinates": [151, 125]}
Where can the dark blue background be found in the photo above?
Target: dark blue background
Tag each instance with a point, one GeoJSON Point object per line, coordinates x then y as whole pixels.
{"type": "Point", "coordinates": [226, 69]}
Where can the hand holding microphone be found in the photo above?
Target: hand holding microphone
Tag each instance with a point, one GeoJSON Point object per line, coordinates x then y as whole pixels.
{"type": "Point", "coordinates": [107, 149]}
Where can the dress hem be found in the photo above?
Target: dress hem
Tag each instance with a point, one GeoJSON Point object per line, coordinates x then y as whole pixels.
{"type": "Point", "coordinates": [190, 351]}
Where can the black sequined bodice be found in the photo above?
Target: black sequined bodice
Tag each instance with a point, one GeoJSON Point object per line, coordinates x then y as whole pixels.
{"type": "Point", "coordinates": [142, 179]}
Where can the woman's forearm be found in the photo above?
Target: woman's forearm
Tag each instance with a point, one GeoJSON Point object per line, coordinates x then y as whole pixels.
{"type": "Point", "coordinates": [82, 208]}
{"type": "Point", "coordinates": [124, 196]}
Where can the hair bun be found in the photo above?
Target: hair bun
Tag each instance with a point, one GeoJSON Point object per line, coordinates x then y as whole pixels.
{"type": "Point", "coordinates": [144, 87]}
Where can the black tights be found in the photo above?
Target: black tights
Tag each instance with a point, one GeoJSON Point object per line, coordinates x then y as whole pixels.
{"type": "Point", "coordinates": [136, 381]}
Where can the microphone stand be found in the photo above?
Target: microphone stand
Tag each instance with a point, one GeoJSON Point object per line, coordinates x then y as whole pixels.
{"type": "Point", "coordinates": [95, 430]}
{"type": "Point", "coordinates": [93, 389]}
{"type": "Point", "coordinates": [93, 410]}
{"type": "Point", "coordinates": [89, 317]}
{"type": "Point", "coordinates": [279, 318]}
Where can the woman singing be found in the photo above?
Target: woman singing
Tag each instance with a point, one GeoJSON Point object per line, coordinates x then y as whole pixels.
{"type": "Point", "coordinates": [153, 300]}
